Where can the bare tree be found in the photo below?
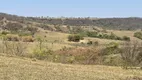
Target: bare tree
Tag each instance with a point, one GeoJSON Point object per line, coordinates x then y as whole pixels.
{"type": "Point", "coordinates": [14, 48]}
{"type": "Point", "coordinates": [132, 54]}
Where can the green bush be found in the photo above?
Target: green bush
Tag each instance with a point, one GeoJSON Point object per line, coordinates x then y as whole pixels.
{"type": "Point", "coordinates": [106, 36]}
{"type": "Point", "coordinates": [11, 37]}
{"type": "Point", "coordinates": [4, 32]}
{"type": "Point", "coordinates": [113, 60]}
{"type": "Point", "coordinates": [27, 39]}
{"type": "Point", "coordinates": [42, 54]}
{"type": "Point", "coordinates": [74, 38]}
{"type": "Point", "coordinates": [138, 35]}
{"type": "Point", "coordinates": [90, 42]}
{"type": "Point", "coordinates": [111, 48]}
{"type": "Point", "coordinates": [92, 34]}
{"type": "Point", "coordinates": [96, 43]}
{"type": "Point", "coordinates": [126, 38]}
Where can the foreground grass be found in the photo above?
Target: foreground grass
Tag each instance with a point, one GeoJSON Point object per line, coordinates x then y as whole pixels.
{"type": "Point", "coordinates": [26, 69]}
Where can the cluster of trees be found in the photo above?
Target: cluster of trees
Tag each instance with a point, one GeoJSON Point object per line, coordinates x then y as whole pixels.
{"type": "Point", "coordinates": [105, 36]}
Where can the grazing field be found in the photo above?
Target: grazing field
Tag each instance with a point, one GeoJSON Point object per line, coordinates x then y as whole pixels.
{"type": "Point", "coordinates": [14, 68]}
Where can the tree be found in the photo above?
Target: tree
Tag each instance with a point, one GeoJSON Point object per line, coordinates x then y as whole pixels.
{"type": "Point", "coordinates": [132, 54]}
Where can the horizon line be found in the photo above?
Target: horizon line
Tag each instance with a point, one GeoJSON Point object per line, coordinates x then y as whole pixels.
{"type": "Point", "coordinates": [91, 17]}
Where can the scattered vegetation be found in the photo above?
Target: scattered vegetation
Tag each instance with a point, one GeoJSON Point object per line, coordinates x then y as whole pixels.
{"type": "Point", "coordinates": [19, 37]}
{"type": "Point", "coordinates": [111, 36]}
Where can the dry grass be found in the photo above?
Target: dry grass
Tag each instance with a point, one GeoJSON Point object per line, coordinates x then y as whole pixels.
{"type": "Point", "coordinates": [51, 36]}
{"type": "Point", "coordinates": [26, 69]}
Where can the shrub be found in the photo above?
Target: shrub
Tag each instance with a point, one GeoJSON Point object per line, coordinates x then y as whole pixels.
{"type": "Point", "coordinates": [111, 48]}
{"type": "Point", "coordinates": [126, 38]}
{"type": "Point", "coordinates": [78, 55]}
{"type": "Point", "coordinates": [138, 35]}
{"type": "Point", "coordinates": [96, 43]}
{"type": "Point", "coordinates": [27, 39]}
{"type": "Point", "coordinates": [33, 30]}
{"type": "Point", "coordinates": [112, 45]}
{"type": "Point", "coordinates": [13, 27]}
{"type": "Point", "coordinates": [11, 37]}
{"type": "Point", "coordinates": [42, 54]}
{"type": "Point", "coordinates": [14, 48]}
{"type": "Point", "coordinates": [74, 38]}
{"type": "Point", "coordinates": [90, 42]}
{"type": "Point", "coordinates": [112, 60]}
{"type": "Point", "coordinates": [92, 34]}
{"type": "Point", "coordinates": [105, 36]}
{"type": "Point", "coordinates": [4, 32]}
{"type": "Point", "coordinates": [132, 54]}
{"type": "Point", "coordinates": [112, 36]}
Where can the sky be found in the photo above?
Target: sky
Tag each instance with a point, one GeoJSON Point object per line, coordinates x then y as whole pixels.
{"type": "Point", "coordinates": [73, 8]}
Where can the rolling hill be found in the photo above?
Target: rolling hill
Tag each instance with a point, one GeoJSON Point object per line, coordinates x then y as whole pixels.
{"type": "Point", "coordinates": [131, 23]}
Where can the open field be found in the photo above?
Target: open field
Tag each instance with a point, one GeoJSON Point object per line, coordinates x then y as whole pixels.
{"type": "Point", "coordinates": [26, 69]}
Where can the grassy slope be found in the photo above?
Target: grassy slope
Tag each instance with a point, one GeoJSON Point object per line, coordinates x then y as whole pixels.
{"type": "Point", "coordinates": [125, 33]}
{"type": "Point", "coordinates": [25, 69]}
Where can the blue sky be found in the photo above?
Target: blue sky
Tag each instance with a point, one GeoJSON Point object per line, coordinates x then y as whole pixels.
{"type": "Point", "coordinates": [73, 8]}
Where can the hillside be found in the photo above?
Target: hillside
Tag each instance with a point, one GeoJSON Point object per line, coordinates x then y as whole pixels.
{"type": "Point", "coordinates": [107, 23]}
{"type": "Point", "coordinates": [44, 48]}
{"type": "Point", "coordinates": [26, 69]}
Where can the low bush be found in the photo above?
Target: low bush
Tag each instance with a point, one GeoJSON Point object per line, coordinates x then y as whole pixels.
{"type": "Point", "coordinates": [27, 39]}
{"type": "Point", "coordinates": [75, 38]}
{"type": "Point", "coordinates": [90, 42]}
{"type": "Point", "coordinates": [112, 60]}
{"type": "Point", "coordinates": [126, 38]}
{"type": "Point", "coordinates": [111, 48]}
{"type": "Point", "coordinates": [106, 36]}
{"type": "Point", "coordinates": [132, 54]}
{"type": "Point", "coordinates": [14, 48]}
{"type": "Point", "coordinates": [96, 43]}
{"type": "Point", "coordinates": [78, 55]}
{"type": "Point", "coordinates": [138, 35]}
{"type": "Point", "coordinates": [12, 37]}
{"type": "Point", "coordinates": [42, 54]}
{"type": "Point", "coordinates": [4, 32]}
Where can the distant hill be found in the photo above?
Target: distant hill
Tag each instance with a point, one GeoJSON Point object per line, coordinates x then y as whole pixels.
{"type": "Point", "coordinates": [132, 23]}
